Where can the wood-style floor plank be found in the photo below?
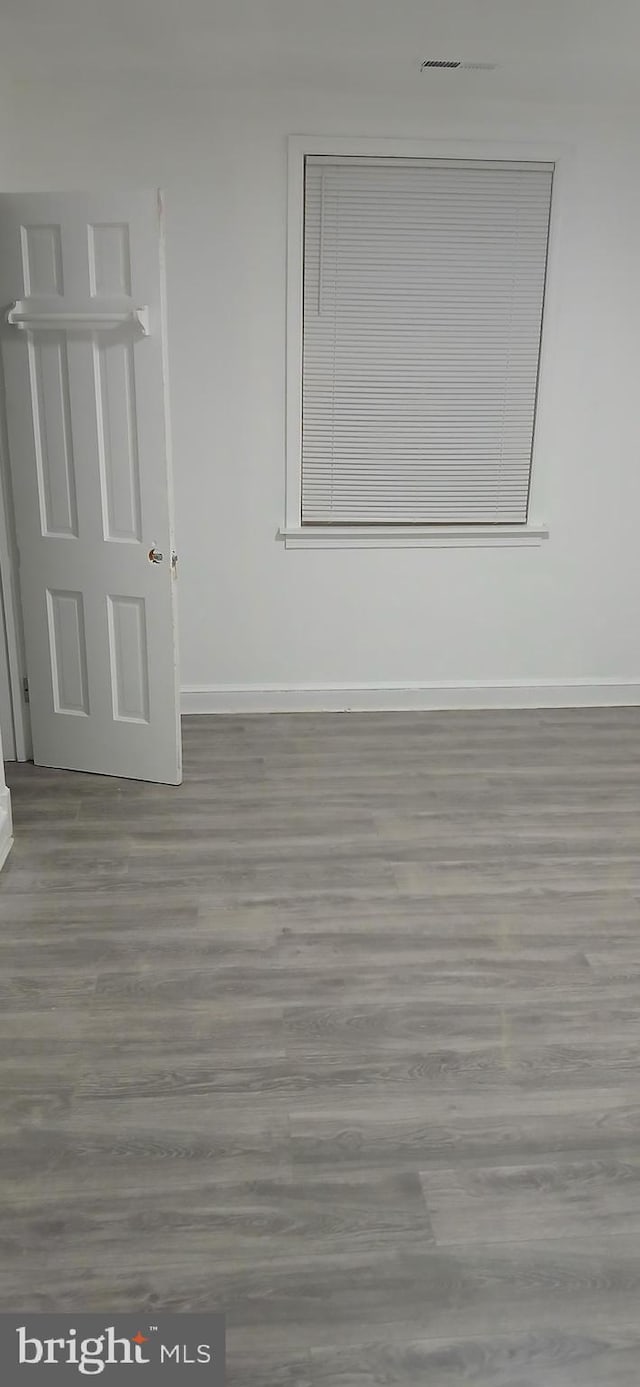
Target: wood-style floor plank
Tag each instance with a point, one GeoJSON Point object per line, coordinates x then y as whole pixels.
{"type": "Point", "coordinates": [340, 1036]}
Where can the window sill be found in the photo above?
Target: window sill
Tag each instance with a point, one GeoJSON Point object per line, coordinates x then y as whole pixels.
{"type": "Point", "coordinates": [412, 536]}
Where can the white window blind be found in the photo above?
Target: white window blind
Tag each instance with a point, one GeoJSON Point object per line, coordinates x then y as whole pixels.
{"type": "Point", "coordinates": [423, 294]}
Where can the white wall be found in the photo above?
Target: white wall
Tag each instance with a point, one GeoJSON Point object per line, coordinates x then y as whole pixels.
{"type": "Point", "coordinates": [6, 831]}
{"type": "Point", "coordinates": [255, 615]}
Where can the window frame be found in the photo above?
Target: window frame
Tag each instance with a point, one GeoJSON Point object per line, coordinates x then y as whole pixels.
{"type": "Point", "coordinates": [298, 536]}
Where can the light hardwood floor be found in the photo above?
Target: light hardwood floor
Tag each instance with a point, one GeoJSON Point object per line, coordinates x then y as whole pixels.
{"type": "Point", "coordinates": [343, 1037]}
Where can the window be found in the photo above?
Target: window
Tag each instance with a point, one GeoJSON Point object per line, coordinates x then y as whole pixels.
{"type": "Point", "coordinates": [423, 285]}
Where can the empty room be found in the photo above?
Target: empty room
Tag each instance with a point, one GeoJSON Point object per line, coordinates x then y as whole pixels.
{"type": "Point", "coordinates": [320, 692]}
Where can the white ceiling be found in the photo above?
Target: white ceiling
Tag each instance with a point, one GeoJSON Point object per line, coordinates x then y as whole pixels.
{"type": "Point", "coordinates": [545, 49]}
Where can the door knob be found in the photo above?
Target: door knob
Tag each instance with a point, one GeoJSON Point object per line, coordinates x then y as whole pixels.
{"type": "Point", "coordinates": [155, 556]}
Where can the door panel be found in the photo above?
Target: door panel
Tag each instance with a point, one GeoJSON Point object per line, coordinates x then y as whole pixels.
{"type": "Point", "coordinates": [86, 400]}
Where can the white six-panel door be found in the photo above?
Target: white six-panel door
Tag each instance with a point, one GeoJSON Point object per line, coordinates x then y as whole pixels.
{"type": "Point", "coordinates": [84, 363]}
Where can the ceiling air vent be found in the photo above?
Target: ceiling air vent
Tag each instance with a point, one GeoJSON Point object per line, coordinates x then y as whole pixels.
{"type": "Point", "coordinates": [449, 63]}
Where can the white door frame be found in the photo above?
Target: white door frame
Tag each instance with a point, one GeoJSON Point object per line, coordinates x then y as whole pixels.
{"type": "Point", "coordinates": [12, 657]}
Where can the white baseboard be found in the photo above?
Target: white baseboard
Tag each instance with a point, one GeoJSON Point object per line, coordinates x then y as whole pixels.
{"type": "Point", "coordinates": [6, 829]}
{"type": "Point", "coordinates": [338, 698]}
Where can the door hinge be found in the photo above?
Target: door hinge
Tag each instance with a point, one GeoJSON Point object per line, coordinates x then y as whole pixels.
{"type": "Point", "coordinates": [25, 689]}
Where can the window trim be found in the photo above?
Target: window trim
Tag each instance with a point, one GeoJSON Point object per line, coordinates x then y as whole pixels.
{"type": "Point", "coordinates": [298, 536]}
{"type": "Point", "coordinates": [393, 536]}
